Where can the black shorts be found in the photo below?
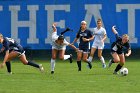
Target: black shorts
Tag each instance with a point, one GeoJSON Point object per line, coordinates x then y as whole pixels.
{"type": "Point", "coordinates": [19, 50]}
{"type": "Point", "coordinates": [84, 50]}
{"type": "Point", "coordinates": [118, 51]}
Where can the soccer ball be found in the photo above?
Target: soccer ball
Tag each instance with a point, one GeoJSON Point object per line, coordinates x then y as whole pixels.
{"type": "Point", "coordinates": [124, 71]}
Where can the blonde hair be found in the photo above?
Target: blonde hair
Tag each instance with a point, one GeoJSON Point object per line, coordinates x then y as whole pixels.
{"type": "Point", "coordinates": [126, 36]}
{"type": "Point", "coordinates": [1, 35]}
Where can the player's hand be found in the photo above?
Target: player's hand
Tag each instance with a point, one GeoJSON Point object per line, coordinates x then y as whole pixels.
{"type": "Point", "coordinates": [77, 49]}
{"type": "Point", "coordinates": [127, 55]}
{"type": "Point", "coordinates": [2, 65]}
{"type": "Point", "coordinates": [85, 40]}
{"type": "Point", "coordinates": [54, 24]}
{"type": "Point", "coordinates": [72, 43]}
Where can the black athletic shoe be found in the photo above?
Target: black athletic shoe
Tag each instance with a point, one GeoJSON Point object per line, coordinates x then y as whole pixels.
{"type": "Point", "coordinates": [79, 69]}
{"type": "Point", "coordinates": [52, 72]}
{"type": "Point", "coordinates": [70, 58]}
{"type": "Point", "coordinates": [89, 65]}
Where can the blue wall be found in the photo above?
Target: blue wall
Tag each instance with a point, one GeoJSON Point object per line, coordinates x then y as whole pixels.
{"type": "Point", "coordinates": [29, 21]}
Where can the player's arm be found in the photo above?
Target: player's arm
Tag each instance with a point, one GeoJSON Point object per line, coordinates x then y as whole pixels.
{"type": "Point", "coordinates": [104, 38]}
{"type": "Point", "coordinates": [72, 46]}
{"type": "Point", "coordinates": [5, 57]}
{"type": "Point", "coordinates": [129, 53]}
{"type": "Point", "coordinates": [114, 30]}
{"type": "Point", "coordinates": [75, 40]}
{"type": "Point", "coordinates": [54, 27]}
{"type": "Point", "coordinates": [89, 39]}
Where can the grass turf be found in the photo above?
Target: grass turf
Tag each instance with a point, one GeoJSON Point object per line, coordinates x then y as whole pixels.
{"type": "Point", "coordinates": [67, 79]}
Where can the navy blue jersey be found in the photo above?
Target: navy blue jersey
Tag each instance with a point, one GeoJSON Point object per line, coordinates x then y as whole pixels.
{"type": "Point", "coordinates": [118, 46]}
{"type": "Point", "coordinates": [11, 44]}
{"type": "Point", "coordinates": [86, 34]}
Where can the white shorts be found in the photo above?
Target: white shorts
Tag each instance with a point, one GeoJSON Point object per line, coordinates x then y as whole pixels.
{"type": "Point", "coordinates": [59, 48]}
{"type": "Point", "coordinates": [98, 45]}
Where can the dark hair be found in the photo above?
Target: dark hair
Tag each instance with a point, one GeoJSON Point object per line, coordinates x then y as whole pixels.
{"type": "Point", "coordinates": [61, 37]}
{"type": "Point", "coordinates": [99, 20]}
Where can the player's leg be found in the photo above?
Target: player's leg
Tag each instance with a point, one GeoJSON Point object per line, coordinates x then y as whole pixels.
{"type": "Point", "coordinates": [115, 59]}
{"type": "Point", "coordinates": [8, 66]}
{"type": "Point", "coordinates": [79, 56]}
{"type": "Point", "coordinates": [120, 65]}
{"type": "Point", "coordinates": [101, 57]}
{"type": "Point", "coordinates": [62, 55]}
{"type": "Point", "coordinates": [85, 56]}
{"type": "Point", "coordinates": [54, 54]}
{"type": "Point", "coordinates": [93, 49]}
{"type": "Point", "coordinates": [23, 59]}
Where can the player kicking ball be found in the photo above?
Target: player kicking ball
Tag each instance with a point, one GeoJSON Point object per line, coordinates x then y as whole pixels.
{"type": "Point", "coordinates": [117, 50]}
{"type": "Point", "coordinates": [12, 50]}
{"type": "Point", "coordinates": [59, 45]}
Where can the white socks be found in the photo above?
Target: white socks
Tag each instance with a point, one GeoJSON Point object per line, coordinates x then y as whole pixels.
{"type": "Point", "coordinates": [66, 57]}
{"type": "Point", "coordinates": [102, 60]}
{"type": "Point", "coordinates": [90, 59]}
{"type": "Point", "coordinates": [52, 64]}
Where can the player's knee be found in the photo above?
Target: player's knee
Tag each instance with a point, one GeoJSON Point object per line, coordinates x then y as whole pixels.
{"type": "Point", "coordinates": [25, 63]}
{"type": "Point", "coordinates": [122, 63]}
{"type": "Point", "coordinates": [116, 60]}
{"type": "Point", "coordinates": [84, 59]}
{"type": "Point", "coordinates": [61, 58]}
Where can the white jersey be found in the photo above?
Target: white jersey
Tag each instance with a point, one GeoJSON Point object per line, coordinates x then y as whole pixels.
{"type": "Point", "coordinates": [58, 46]}
{"type": "Point", "coordinates": [99, 35]}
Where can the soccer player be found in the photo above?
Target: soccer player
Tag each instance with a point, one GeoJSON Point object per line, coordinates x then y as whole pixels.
{"type": "Point", "coordinates": [98, 43]}
{"type": "Point", "coordinates": [59, 45]}
{"type": "Point", "coordinates": [12, 50]}
{"type": "Point", "coordinates": [85, 36]}
{"type": "Point", "coordinates": [117, 48]}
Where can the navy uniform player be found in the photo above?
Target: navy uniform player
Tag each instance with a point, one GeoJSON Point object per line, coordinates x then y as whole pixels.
{"type": "Point", "coordinates": [85, 36]}
{"type": "Point", "coordinates": [59, 45]}
{"type": "Point", "coordinates": [117, 50]}
{"type": "Point", "coordinates": [12, 50]}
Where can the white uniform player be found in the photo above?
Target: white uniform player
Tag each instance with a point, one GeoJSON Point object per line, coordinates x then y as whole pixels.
{"type": "Point", "coordinates": [59, 45]}
{"type": "Point", "coordinates": [99, 35]}
{"type": "Point", "coordinates": [98, 43]}
{"type": "Point", "coordinates": [56, 45]}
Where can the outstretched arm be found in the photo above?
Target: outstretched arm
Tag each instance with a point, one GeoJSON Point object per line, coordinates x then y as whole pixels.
{"type": "Point", "coordinates": [129, 53]}
{"type": "Point", "coordinates": [72, 46]}
{"type": "Point", "coordinates": [114, 30]}
{"type": "Point", "coordinates": [5, 59]}
{"type": "Point", "coordinates": [54, 27]}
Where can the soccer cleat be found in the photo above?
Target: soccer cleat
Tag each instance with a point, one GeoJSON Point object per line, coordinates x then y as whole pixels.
{"type": "Point", "coordinates": [115, 73]}
{"type": "Point", "coordinates": [41, 68]}
{"type": "Point", "coordinates": [70, 58]}
{"type": "Point", "coordinates": [10, 73]}
{"type": "Point", "coordinates": [104, 65]}
{"type": "Point", "coordinates": [89, 65]}
{"type": "Point", "coordinates": [52, 72]}
{"type": "Point", "coordinates": [79, 69]}
{"type": "Point", "coordinates": [110, 63]}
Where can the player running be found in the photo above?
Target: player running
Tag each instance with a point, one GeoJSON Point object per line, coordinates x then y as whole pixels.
{"type": "Point", "coordinates": [117, 50]}
{"type": "Point", "coordinates": [100, 36]}
{"type": "Point", "coordinates": [59, 45]}
{"type": "Point", "coordinates": [12, 50]}
{"type": "Point", "coordinates": [85, 36]}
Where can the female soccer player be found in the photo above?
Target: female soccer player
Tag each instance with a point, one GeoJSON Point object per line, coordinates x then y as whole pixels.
{"type": "Point", "coordinates": [117, 50]}
{"type": "Point", "coordinates": [12, 50]}
{"type": "Point", "coordinates": [59, 45]}
{"type": "Point", "coordinates": [85, 36]}
{"type": "Point", "coordinates": [100, 36]}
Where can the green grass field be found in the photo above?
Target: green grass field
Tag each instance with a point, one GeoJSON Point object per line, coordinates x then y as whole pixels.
{"type": "Point", "coordinates": [67, 79]}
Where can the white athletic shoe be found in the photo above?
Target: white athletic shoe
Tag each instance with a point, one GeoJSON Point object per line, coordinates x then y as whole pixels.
{"type": "Point", "coordinates": [104, 65]}
{"type": "Point", "coordinates": [110, 63]}
{"type": "Point", "coordinates": [41, 68]}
